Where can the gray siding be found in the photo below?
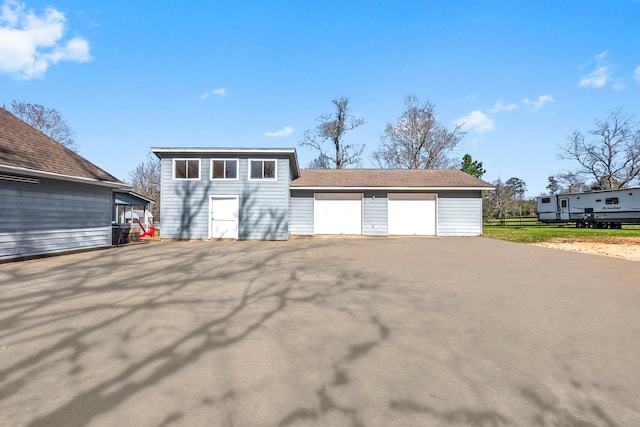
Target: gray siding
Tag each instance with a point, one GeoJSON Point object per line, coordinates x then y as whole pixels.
{"type": "Point", "coordinates": [301, 219]}
{"type": "Point", "coordinates": [374, 221]}
{"type": "Point", "coordinates": [264, 205]}
{"type": "Point", "coordinates": [459, 213]}
{"type": "Point", "coordinates": [53, 216]}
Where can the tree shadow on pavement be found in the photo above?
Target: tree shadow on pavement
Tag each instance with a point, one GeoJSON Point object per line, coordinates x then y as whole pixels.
{"type": "Point", "coordinates": [86, 337]}
{"type": "Point", "coordinates": [51, 320]}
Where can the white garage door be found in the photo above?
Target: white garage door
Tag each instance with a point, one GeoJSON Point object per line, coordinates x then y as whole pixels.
{"type": "Point", "coordinates": [337, 213]}
{"type": "Point", "coordinates": [411, 214]}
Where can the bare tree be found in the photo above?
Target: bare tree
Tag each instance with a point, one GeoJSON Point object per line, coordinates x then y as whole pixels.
{"type": "Point", "coordinates": [145, 180]}
{"type": "Point", "coordinates": [47, 120]}
{"type": "Point", "coordinates": [417, 140]}
{"type": "Point", "coordinates": [497, 204]}
{"type": "Point", "coordinates": [331, 129]}
{"type": "Point", "coordinates": [319, 163]}
{"type": "Point", "coordinates": [571, 182]}
{"type": "Point", "coordinates": [609, 154]}
{"type": "Point", "coordinates": [506, 200]}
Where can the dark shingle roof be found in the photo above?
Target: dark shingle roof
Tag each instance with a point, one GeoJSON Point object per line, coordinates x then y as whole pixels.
{"type": "Point", "coordinates": [363, 178]}
{"type": "Point", "coordinates": [22, 146]}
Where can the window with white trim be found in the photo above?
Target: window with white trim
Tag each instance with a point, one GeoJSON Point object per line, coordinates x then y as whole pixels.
{"type": "Point", "coordinates": [224, 168]}
{"type": "Point", "coordinates": [262, 169]}
{"type": "Point", "coordinates": [186, 169]}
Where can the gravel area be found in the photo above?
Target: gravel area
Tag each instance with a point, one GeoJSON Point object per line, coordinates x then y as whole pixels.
{"type": "Point", "coordinates": [624, 248]}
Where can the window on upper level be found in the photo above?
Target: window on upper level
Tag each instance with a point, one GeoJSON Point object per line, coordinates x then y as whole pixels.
{"type": "Point", "coordinates": [224, 169]}
{"type": "Point", "coordinates": [186, 169]}
{"type": "Point", "coordinates": [262, 169]}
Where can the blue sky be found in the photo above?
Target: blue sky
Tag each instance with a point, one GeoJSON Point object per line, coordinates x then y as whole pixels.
{"type": "Point", "coordinates": [129, 75]}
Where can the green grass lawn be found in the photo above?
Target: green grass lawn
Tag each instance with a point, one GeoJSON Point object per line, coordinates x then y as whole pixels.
{"type": "Point", "coordinates": [544, 233]}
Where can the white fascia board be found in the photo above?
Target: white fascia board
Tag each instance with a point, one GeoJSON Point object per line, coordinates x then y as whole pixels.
{"type": "Point", "coordinates": [392, 188]}
{"type": "Point", "coordinates": [226, 150]}
{"type": "Point", "coordinates": [61, 177]}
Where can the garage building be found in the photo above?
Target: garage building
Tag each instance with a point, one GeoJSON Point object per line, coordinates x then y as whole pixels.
{"type": "Point", "coordinates": [260, 193]}
{"type": "Point", "coordinates": [380, 202]}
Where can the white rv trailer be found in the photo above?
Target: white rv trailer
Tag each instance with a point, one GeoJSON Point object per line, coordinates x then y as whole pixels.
{"type": "Point", "coordinates": [594, 209]}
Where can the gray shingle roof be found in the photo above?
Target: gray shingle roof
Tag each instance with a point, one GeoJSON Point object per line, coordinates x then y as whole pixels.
{"type": "Point", "coordinates": [363, 178]}
{"type": "Point", "coordinates": [22, 146]}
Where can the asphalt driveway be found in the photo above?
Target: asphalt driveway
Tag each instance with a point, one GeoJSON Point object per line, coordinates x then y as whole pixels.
{"type": "Point", "coordinates": [321, 332]}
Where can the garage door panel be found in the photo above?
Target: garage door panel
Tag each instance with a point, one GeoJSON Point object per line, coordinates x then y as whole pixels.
{"type": "Point", "coordinates": [411, 214]}
{"type": "Point", "coordinates": [337, 213]}
{"type": "Point", "coordinates": [338, 196]}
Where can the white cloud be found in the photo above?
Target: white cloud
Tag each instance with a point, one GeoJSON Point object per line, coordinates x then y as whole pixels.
{"type": "Point", "coordinates": [30, 43]}
{"type": "Point", "coordinates": [476, 121]}
{"type": "Point", "coordinates": [619, 84]}
{"type": "Point", "coordinates": [636, 73]}
{"type": "Point", "coordinates": [285, 131]}
{"type": "Point", "coordinates": [539, 103]}
{"type": "Point", "coordinates": [600, 75]}
{"type": "Point", "coordinates": [597, 78]}
{"type": "Point", "coordinates": [602, 55]}
{"type": "Point", "coordinates": [499, 107]}
{"type": "Point", "coordinates": [221, 91]}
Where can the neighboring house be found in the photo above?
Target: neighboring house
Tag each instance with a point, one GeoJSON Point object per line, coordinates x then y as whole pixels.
{"type": "Point", "coordinates": [124, 207]}
{"type": "Point", "coordinates": [53, 200]}
{"type": "Point", "coordinates": [262, 194]}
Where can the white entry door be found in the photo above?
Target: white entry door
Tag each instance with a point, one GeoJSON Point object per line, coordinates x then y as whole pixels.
{"type": "Point", "coordinates": [564, 208]}
{"type": "Point", "coordinates": [224, 217]}
{"type": "Point", "coordinates": [411, 214]}
{"type": "Point", "coordinates": [337, 213]}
